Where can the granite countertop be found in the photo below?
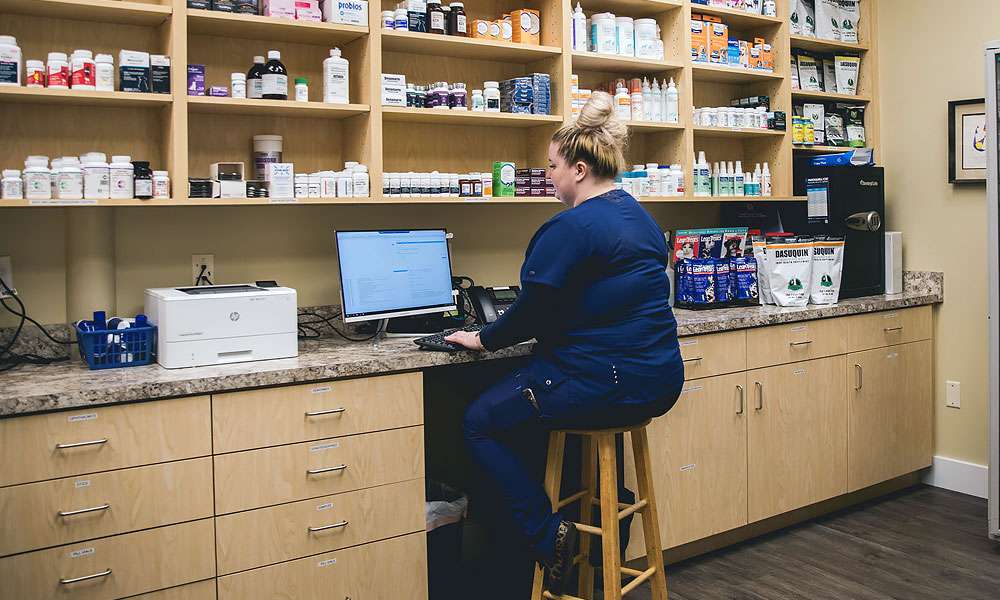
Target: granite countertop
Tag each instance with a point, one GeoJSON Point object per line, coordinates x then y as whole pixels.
{"type": "Point", "coordinates": [67, 385]}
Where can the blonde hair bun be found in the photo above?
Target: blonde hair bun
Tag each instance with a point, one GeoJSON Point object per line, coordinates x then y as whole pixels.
{"type": "Point", "coordinates": [597, 137]}
{"type": "Point", "coordinates": [599, 113]}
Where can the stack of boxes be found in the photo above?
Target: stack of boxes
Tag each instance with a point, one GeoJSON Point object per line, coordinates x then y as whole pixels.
{"type": "Point", "coordinates": [533, 183]}
{"type": "Point", "coordinates": [522, 26]}
{"type": "Point", "coordinates": [527, 95]}
{"type": "Point", "coordinates": [710, 43]}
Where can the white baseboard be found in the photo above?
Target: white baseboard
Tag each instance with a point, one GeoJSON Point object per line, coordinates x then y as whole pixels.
{"type": "Point", "coordinates": [958, 476]}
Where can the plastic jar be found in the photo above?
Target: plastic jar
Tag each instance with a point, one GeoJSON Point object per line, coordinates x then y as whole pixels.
{"type": "Point", "coordinates": [388, 19]}
{"type": "Point", "coordinates": [10, 61]}
{"type": "Point", "coordinates": [34, 73]}
{"type": "Point", "coordinates": [105, 74]}
{"type": "Point", "coordinates": [142, 177]}
{"type": "Point", "coordinates": [83, 71]}
{"type": "Point", "coordinates": [401, 19]}
{"type": "Point", "coordinates": [437, 96]}
{"type": "Point", "coordinates": [315, 186]}
{"type": "Point", "coordinates": [37, 178]}
{"type": "Point", "coordinates": [458, 24]}
{"type": "Point", "coordinates": [478, 102]}
{"type": "Point", "coordinates": [436, 21]}
{"type": "Point", "coordinates": [12, 188]}
{"type": "Point", "coordinates": [301, 89]}
{"type": "Point", "coordinates": [491, 93]}
{"type": "Point", "coordinates": [161, 185]}
{"type": "Point", "coordinates": [57, 70]}
{"type": "Point", "coordinates": [645, 31]}
{"type": "Point", "coordinates": [96, 177]}
{"type": "Point", "coordinates": [603, 34]}
{"type": "Point", "coordinates": [457, 97]}
{"type": "Point", "coordinates": [345, 184]}
{"type": "Point", "coordinates": [361, 181]}
{"type": "Point", "coordinates": [266, 149]}
{"type": "Point", "coordinates": [69, 179]}
{"type": "Point", "coordinates": [122, 177]}
{"type": "Point", "coordinates": [626, 35]}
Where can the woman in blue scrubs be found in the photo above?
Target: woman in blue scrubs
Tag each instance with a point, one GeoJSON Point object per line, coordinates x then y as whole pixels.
{"type": "Point", "coordinates": [595, 297]}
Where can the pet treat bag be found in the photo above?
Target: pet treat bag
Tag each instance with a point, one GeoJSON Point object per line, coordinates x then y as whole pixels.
{"type": "Point", "coordinates": [790, 270]}
{"type": "Point", "coordinates": [827, 266]}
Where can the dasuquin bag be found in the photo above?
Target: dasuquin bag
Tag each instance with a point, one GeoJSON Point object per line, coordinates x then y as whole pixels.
{"type": "Point", "coordinates": [764, 288]}
{"type": "Point", "coordinates": [743, 275]}
{"type": "Point", "coordinates": [828, 19]}
{"type": "Point", "coordinates": [790, 269]}
{"type": "Point", "coordinates": [827, 266]}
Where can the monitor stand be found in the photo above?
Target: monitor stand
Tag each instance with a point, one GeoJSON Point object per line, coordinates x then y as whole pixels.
{"type": "Point", "coordinates": [421, 325]}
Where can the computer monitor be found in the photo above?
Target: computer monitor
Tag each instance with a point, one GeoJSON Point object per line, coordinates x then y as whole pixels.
{"type": "Point", "coordinates": [394, 273]}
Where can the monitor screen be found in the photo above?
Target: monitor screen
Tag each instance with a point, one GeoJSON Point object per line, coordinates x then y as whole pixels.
{"type": "Point", "coordinates": [394, 273]}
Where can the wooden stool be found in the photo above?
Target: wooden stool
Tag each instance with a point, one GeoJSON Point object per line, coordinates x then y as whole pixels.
{"type": "Point", "coordinates": [611, 512]}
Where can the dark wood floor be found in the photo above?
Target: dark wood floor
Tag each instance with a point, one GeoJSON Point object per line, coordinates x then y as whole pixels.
{"type": "Point", "coordinates": [918, 543]}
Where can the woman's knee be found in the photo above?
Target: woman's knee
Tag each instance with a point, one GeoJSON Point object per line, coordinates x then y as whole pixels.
{"type": "Point", "coordinates": [476, 421]}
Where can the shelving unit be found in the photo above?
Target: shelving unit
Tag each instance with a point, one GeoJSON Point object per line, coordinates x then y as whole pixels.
{"type": "Point", "coordinates": [185, 134]}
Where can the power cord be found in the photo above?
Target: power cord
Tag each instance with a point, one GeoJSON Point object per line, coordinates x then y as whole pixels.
{"type": "Point", "coordinates": [319, 319]}
{"type": "Point", "coordinates": [10, 359]}
{"type": "Point", "coordinates": [202, 277]}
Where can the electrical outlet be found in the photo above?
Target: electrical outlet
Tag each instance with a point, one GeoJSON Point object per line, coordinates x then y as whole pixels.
{"type": "Point", "coordinates": [954, 395]}
{"type": "Point", "coordinates": [197, 262]}
{"type": "Point", "coordinates": [7, 274]}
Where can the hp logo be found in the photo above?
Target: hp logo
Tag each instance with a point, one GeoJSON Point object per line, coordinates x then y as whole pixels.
{"type": "Point", "coordinates": [234, 316]}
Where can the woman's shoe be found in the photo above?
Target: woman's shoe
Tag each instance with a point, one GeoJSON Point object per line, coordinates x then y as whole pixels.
{"type": "Point", "coordinates": [558, 572]}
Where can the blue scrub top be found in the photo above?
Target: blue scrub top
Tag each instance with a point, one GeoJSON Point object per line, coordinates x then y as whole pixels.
{"type": "Point", "coordinates": [614, 329]}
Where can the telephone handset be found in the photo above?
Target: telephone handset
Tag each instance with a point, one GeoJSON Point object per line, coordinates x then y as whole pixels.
{"type": "Point", "coordinates": [489, 303]}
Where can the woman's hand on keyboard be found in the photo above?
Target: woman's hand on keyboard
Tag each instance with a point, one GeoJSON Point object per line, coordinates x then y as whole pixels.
{"type": "Point", "coordinates": [466, 339]}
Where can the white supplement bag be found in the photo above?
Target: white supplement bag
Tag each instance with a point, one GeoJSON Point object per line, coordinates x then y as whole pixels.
{"type": "Point", "coordinates": [809, 73]}
{"type": "Point", "coordinates": [807, 16]}
{"type": "Point", "coordinates": [827, 266]}
{"type": "Point", "coordinates": [828, 19]}
{"type": "Point", "coordinates": [847, 69]}
{"type": "Point", "coordinates": [760, 254]}
{"type": "Point", "coordinates": [850, 16]}
{"type": "Point", "coordinates": [789, 262]}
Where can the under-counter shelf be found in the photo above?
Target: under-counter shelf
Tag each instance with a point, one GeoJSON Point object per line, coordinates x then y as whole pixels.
{"type": "Point", "coordinates": [254, 27]}
{"type": "Point", "coordinates": [463, 47]}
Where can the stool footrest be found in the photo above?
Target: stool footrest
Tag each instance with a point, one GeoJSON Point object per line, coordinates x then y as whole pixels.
{"type": "Point", "coordinates": [552, 596]}
{"type": "Point", "coordinates": [631, 509]}
{"type": "Point", "coordinates": [639, 579]}
{"type": "Point", "coordinates": [588, 529]}
{"type": "Point", "coordinates": [571, 499]}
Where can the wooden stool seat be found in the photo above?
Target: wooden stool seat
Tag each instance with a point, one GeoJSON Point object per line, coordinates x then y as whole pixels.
{"type": "Point", "coordinates": [612, 512]}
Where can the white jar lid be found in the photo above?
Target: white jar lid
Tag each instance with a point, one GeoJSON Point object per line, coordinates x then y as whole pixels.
{"type": "Point", "coordinates": [121, 159]}
{"type": "Point", "coordinates": [273, 55]}
{"type": "Point", "coordinates": [83, 53]}
{"type": "Point", "coordinates": [160, 173]}
{"type": "Point", "coordinates": [11, 173]}
{"type": "Point", "coordinates": [105, 58]}
{"type": "Point", "coordinates": [8, 39]}
{"type": "Point", "coordinates": [238, 77]}
{"type": "Point", "coordinates": [57, 56]}
{"type": "Point", "coordinates": [34, 63]}
{"type": "Point", "coordinates": [491, 84]}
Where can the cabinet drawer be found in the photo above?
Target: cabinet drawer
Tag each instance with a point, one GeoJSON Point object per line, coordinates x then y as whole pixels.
{"type": "Point", "coordinates": [877, 330]}
{"type": "Point", "coordinates": [256, 478]}
{"type": "Point", "coordinates": [134, 563]}
{"type": "Point", "coordinates": [395, 569]}
{"type": "Point", "coordinates": [137, 498]}
{"type": "Point", "coordinates": [70, 443]}
{"type": "Point", "coordinates": [290, 414]}
{"type": "Point", "coordinates": [201, 590]}
{"type": "Point", "coordinates": [266, 536]}
{"type": "Point", "coordinates": [794, 342]}
{"type": "Point", "coordinates": [715, 354]}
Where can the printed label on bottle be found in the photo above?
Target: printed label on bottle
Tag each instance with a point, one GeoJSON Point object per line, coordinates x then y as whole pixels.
{"type": "Point", "coordinates": [8, 72]}
{"type": "Point", "coordinates": [256, 88]}
{"type": "Point", "coordinates": [36, 78]}
{"type": "Point", "coordinates": [84, 75]}
{"type": "Point", "coordinates": [437, 21]}
{"type": "Point", "coordinates": [460, 23]}
{"type": "Point", "coordinates": [492, 104]}
{"type": "Point", "coordinates": [274, 83]}
{"type": "Point", "coordinates": [82, 552]}
{"type": "Point", "coordinates": [83, 417]}
{"type": "Point", "coordinates": [143, 187]}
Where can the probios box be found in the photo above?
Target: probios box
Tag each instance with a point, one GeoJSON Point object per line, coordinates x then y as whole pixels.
{"type": "Point", "coordinates": [350, 12]}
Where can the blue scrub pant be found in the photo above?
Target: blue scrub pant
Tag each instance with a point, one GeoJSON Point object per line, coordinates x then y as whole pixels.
{"type": "Point", "coordinates": [517, 401]}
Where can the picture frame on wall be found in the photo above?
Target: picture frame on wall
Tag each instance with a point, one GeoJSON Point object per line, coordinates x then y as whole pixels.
{"type": "Point", "coordinates": [967, 141]}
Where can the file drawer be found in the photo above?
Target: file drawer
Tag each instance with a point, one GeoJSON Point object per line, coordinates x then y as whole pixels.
{"type": "Point", "coordinates": [63, 511]}
{"type": "Point", "coordinates": [88, 440]}
{"type": "Point", "coordinates": [794, 342]}
{"type": "Point", "coordinates": [714, 354]}
{"type": "Point", "coordinates": [113, 567]}
{"type": "Point", "coordinates": [266, 536]}
{"type": "Point", "coordinates": [201, 590]}
{"type": "Point", "coordinates": [290, 414]}
{"type": "Point", "coordinates": [256, 478]}
{"type": "Point", "coordinates": [392, 569]}
{"type": "Point", "coordinates": [877, 330]}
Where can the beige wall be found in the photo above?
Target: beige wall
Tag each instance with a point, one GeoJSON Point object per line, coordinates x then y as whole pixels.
{"type": "Point", "coordinates": [931, 52]}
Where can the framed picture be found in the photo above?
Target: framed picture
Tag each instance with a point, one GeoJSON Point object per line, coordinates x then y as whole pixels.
{"type": "Point", "coordinates": [967, 141]}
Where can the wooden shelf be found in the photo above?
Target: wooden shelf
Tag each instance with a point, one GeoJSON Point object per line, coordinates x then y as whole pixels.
{"type": "Point", "coordinates": [817, 45]}
{"type": "Point", "coordinates": [465, 117]}
{"type": "Point", "coordinates": [104, 11]}
{"type": "Point", "coordinates": [653, 126]}
{"type": "Point", "coordinates": [253, 27]}
{"type": "Point", "coordinates": [632, 8]}
{"type": "Point", "coordinates": [736, 18]}
{"type": "Point", "coordinates": [726, 132]}
{"type": "Point", "coordinates": [591, 61]}
{"type": "Point", "coordinates": [286, 108]}
{"type": "Point", "coordinates": [830, 97]}
{"type": "Point", "coordinates": [462, 47]}
{"type": "Point", "coordinates": [725, 74]}
{"type": "Point", "coordinates": [79, 98]}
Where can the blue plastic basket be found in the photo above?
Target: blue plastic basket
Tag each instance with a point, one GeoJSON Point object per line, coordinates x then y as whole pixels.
{"type": "Point", "coordinates": [114, 348]}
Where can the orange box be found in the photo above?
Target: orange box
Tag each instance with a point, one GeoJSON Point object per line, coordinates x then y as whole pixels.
{"type": "Point", "coordinates": [745, 54]}
{"type": "Point", "coordinates": [718, 43]}
{"type": "Point", "coordinates": [495, 28]}
{"type": "Point", "coordinates": [480, 29]}
{"type": "Point", "coordinates": [711, 19]}
{"type": "Point", "coordinates": [699, 41]}
{"type": "Point", "coordinates": [755, 58]}
{"type": "Point", "coordinates": [527, 26]}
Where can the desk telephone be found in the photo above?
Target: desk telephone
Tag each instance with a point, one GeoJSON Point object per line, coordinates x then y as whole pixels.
{"type": "Point", "coordinates": [488, 304]}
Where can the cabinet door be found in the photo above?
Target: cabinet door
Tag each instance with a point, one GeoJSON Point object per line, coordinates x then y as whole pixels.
{"type": "Point", "coordinates": [891, 413]}
{"type": "Point", "coordinates": [698, 452]}
{"type": "Point", "coordinates": [797, 447]}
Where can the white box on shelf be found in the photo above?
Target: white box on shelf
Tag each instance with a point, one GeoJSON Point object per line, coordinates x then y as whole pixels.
{"type": "Point", "coordinates": [347, 12]}
{"type": "Point", "coordinates": [232, 189]}
{"type": "Point", "coordinates": [281, 180]}
{"type": "Point", "coordinates": [393, 90]}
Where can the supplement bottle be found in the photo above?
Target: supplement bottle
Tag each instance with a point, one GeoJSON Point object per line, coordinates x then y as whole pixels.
{"type": "Point", "coordinates": [457, 21]}
{"type": "Point", "coordinates": [122, 175]}
{"type": "Point", "coordinates": [57, 70]}
{"type": "Point", "coordinates": [478, 102]}
{"type": "Point", "coordinates": [54, 177]}
{"type": "Point", "coordinates": [623, 102]}
{"type": "Point", "coordinates": [301, 89]}
{"type": "Point", "coordinates": [161, 185]}
{"type": "Point", "coordinates": [96, 178]}
{"type": "Point", "coordinates": [105, 78]}
{"type": "Point", "coordinates": [491, 93]}
{"type": "Point", "coordinates": [69, 185]}
{"type": "Point", "coordinates": [635, 97]}
{"type": "Point", "coordinates": [274, 84]}
{"type": "Point", "coordinates": [238, 85]}
{"type": "Point", "coordinates": [37, 179]}
{"type": "Point", "coordinates": [336, 82]}
{"type": "Point", "coordinates": [435, 18]}
{"type": "Point", "coordinates": [10, 61]}
{"type": "Point", "coordinates": [12, 186]}
{"type": "Point", "coordinates": [457, 97]}
{"type": "Point", "coordinates": [255, 79]}
{"type": "Point", "coordinates": [83, 71]}
{"type": "Point", "coordinates": [401, 20]}
{"type": "Point", "coordinates": [388, 19]}
{"type": "Point", "coordinates": [34, 73]}
{"type": "Point", "coordinates": [143, 178]}
{"type": "Point", "coordinates": [361, 181]}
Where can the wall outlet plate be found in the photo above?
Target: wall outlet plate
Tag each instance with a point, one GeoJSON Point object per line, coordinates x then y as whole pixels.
{"type": "Point", "coordinates": [197, 260]}
{"type": "Point", "coordinates": [7, 274]}
{"type": "Point", "coordinates": [954, 394]}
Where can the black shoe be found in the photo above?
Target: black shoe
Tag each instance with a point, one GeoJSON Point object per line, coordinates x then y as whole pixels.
{"type": "Point", "coordinates": [557, 573]}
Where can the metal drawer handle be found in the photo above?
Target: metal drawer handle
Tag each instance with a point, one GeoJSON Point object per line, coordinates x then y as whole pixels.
{"type": "Point", "coordinates": [85, 577]}
{"type": "Point", "coordinates": [760, 395]}
{"type": "Point", "coordinates": [891, 329]}
{"type": "Point", "coordinates": [687, 360]}
{"type": "Point", "coordinates": [82, 444]}
{"type": "Point", "coordinates": [325, 470]}
{"type": "Point", "coordinates": [861, 377]}
{"type": "Point", "coordinates": [70, 513]}
{"type": "Point", "coordinates": [317, 413]}
{"type": "Point", "coordinates": [800, 343]}
{"type": "Point", "coordinates": [742, 399]}
{"type": "Point", "coordinates": [325, 527]}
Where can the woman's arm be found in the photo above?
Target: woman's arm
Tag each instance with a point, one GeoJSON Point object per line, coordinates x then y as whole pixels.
{"type": "Point", "coordinates": [526, 318]}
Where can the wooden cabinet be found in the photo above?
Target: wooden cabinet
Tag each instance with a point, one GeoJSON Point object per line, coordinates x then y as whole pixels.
{"type": "Point", "coordinates": [297, 413]}
{"type": "Point", "coordinates": [795, 342]}
{"type": "Point", "coordinates": [63, 444]}
{"type": "Point", "coordinates": [63, 511]}
{"type": "Point", "coordinates": [876, 330]}
{"type": "Point", "coordinates": [393, 569]}
{"type": "Point", "coordinates": [714, 354]}
{"type": "Point", "coordinates": [201, 590]}
{"type": "Point", "coordinates": [797, 443]}
{"type": "Point", "coordinates": [890, 412]}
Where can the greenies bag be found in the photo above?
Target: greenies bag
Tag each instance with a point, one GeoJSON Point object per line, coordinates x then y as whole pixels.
{"type": "Point", "coordinates": [827, 266]}
{"type": "Point", "coordinates": [790, 270]}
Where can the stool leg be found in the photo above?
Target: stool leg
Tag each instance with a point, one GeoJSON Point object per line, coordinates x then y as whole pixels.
{"type": "Point", "coordinates": [609, 516]}
{"type": "Point", "coordinates": [589, 481]}
{"type": "Point", "coordinates": [650, 522]}
{"type": "Point", "coordinates": [553, 480]}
